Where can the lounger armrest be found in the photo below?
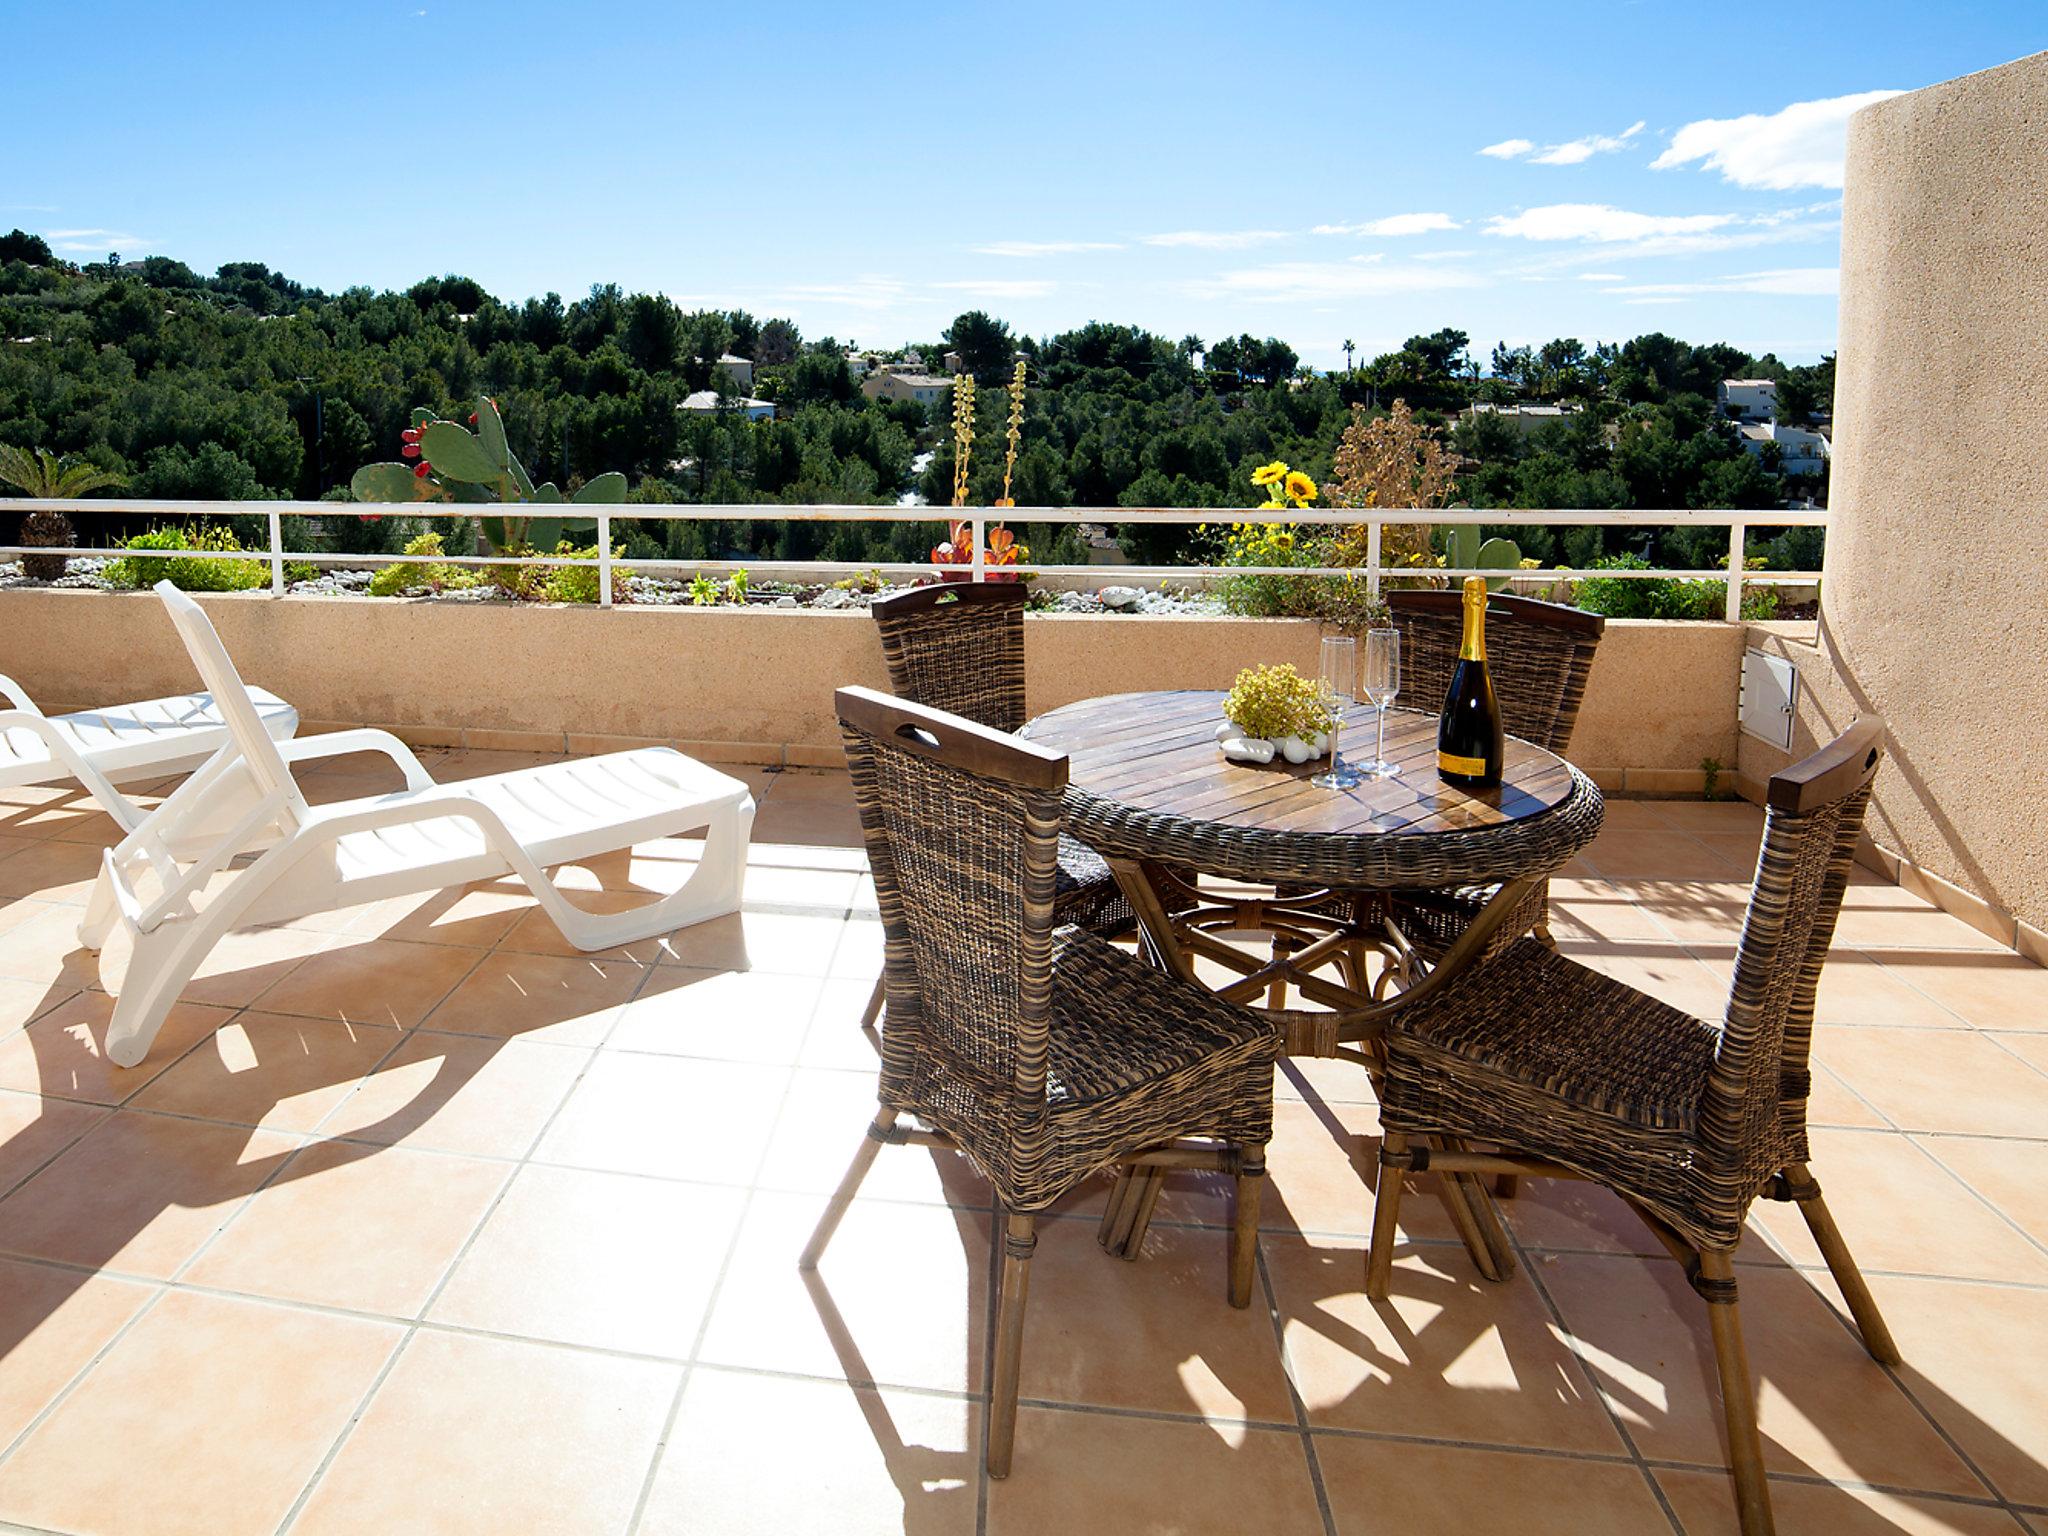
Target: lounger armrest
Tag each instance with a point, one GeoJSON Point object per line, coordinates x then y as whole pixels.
{"type": "Point", "coordinates": [341, 743]}
{"type": "Point", "coordinates": [66, 755]}
{"type": "Point", "coordinates": [18, 696]}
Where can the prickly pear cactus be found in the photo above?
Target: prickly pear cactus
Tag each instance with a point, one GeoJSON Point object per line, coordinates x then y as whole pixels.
{"type": "Point", "coordinates": [1465, 552]}
{"type": "Point", "coordinates": [448, 462]}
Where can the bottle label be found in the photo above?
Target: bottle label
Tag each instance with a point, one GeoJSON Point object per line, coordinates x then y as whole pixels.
{"type": "Point", "coordinates": [1470, 767]}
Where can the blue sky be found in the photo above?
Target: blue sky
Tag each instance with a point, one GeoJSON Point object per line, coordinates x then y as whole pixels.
{"type": "Point", "coordinates": [1314, 171]}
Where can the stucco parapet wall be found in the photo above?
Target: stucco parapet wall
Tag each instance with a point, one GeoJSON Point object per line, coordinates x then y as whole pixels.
{"type": "Point", "coordinates": [755, 684]}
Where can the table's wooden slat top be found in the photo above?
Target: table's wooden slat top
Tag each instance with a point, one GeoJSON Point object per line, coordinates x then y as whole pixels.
{"type": "Point", "coordinates": [1157, 752]}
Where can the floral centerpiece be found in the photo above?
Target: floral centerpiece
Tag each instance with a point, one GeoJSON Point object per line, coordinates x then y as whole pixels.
{"type": "Point", "coordinates": [1274, 711]}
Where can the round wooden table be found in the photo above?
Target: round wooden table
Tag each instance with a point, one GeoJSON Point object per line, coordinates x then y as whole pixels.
{"type": "Point", "coordinates": [1150, 791]}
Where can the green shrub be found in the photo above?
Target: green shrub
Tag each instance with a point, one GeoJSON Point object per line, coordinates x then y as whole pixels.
{"type": "Point", "coordinates": [574, 583]}
{"type": "Point", "coordinates": [187, 575]}
{"type": "Point", "coordinates": [1664, 597]}
{"type": "Point", "coordinates": [394, 579]}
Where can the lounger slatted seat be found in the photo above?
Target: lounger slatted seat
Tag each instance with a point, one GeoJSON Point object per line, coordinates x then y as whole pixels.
{"type": "Point", "coordinates": [122, 743]}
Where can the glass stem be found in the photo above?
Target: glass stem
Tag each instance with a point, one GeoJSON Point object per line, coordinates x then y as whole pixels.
{"type": "Point", "coordinates": [1379, 750]}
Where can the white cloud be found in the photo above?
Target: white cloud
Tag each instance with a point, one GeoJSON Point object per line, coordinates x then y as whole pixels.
{"type": "Point", "coordinates": [1002, 287]}
{"type": "Point", "coordinates": [1602, 222]}
{"type": "Point", "coordinates": [1215, 239]}
{"type": "Point", "coordinates": [1394, 225]}
{"type": "Point", "coordinates": [1800, 146]}
{"type": "Point", "coordinates": [1444, 255]}
{"type": "Point", "coordinates": [96, 241]}
{"type": "Point", "coordinates": [1313, 281]}
{"type": "Point", "coordinates": [1600, 277]}
{"type": "Point", "coordinates": [1027, 248]}
{"type": "Point", "coordinates": [1570, 152]}
{"type": "Point", "coordinates": [1801, 282]}
{"type": "Point", "coordinates": [1575, 151]}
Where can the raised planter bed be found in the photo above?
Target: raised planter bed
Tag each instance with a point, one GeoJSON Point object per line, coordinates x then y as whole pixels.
{"type": "Point", "coordinates": [754, 684]}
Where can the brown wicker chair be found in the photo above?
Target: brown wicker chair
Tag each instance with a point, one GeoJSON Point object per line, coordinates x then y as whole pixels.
{"type": "Point", "coordinates": [1044, 1055]}
{"type": "Point", "coordinates": [1539, 656]}
{"type": "Point", "coordinates": [959, 647]}
{"type": "Point", "coordinates": [1575, 1075]}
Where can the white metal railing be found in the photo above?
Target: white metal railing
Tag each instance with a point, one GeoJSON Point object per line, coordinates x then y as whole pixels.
{"type": "Point", "coordinates": [1735, 572]}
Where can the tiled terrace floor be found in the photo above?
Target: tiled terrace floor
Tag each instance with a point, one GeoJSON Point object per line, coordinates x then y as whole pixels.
{"type": "Point", "coordinates": [415, 1222]}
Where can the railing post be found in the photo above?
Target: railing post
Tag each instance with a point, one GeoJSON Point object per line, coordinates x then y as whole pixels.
{"type": "Point", "coordinates": [276, 555]}
{"type": "Point", "coordinates": [980, 546]}
{"type": "Point", "coordinates": [1372, 556]}
{"type": "Point", "coordinates": [1738, 536]}
{"type": "Point", "coordinates": [604, 558]}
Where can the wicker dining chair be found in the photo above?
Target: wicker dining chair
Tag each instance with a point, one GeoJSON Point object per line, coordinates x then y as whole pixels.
{"type": "Point", "coordinates": [1538, 655]}
{"type": "Point", "coordinates": [1043, 1053]}
{"type": "Point", "coordinates": [1575, 1075]}
{"type": "Point", "coordinates": [959, 647]}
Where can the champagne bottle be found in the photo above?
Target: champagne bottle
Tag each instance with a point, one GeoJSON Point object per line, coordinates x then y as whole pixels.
{"type": "Point", "coordinates": [1468, 735]}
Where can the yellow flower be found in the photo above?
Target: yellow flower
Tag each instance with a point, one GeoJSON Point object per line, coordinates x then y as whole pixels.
{"type": "Point", "coordinates": [1284, 540]}
{"type": "Point", "coordinates": [1269, 474]}
{"type": "Point", "coordinates": [1272, 506]}
{"type": "Point", "coordinates": [1301, 488]}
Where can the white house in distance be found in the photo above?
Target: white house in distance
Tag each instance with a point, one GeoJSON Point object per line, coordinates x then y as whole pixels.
{"type": "Point", "coordinates": [1748, 399]}
{"type": "Point", "coordinates": [1800, 452]}
{"type": "Point", "coordinates": [738, 370]}
{"type": "Point", "coordinates": [1525, 419]}
{"type": "Point", "coordinates": [707, 402]}
{"type": "Point", "coordinates": [889, 384]}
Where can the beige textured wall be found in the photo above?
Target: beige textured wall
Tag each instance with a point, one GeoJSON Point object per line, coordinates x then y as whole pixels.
{"type": "Point", "coordinates": [1941, 459]}
{"type": "Point", "coordinates": [756, 685]}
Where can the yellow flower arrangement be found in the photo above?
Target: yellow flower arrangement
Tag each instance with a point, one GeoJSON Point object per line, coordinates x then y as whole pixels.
{"type": "Point", "coordinates": [1275, 702]}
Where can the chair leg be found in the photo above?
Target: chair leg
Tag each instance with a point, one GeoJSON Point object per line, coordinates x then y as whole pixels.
{"type": "Point", "coordinates": [1715, 1282]}
{"type": "Point", "coordinates": [1020, 1237]}
{"type": "Point", "coordinates": [1151, 1183]}
{"type": "Point", "coordinates": [1386, 1211]}
{"type": "Point", "coordinates": [1110, 1231]}
{"type": "Point", "coordinates": [1244, 1228]}
{"type": "Point", "coordinates": [1877, 1338]}
{"type": "Point", "coordinates": [873, 1011]}
{"type": "Point", "coordinates": [849, 1186]}
{"type": "Point", "coordinates": [1276, 993]}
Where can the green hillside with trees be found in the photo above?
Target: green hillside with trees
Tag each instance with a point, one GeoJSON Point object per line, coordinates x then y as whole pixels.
{"type": "Point", "coordinates": [247, 385]}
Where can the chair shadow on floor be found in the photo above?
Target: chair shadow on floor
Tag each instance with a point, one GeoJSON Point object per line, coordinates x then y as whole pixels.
{"type": "Point", "coordinates": [1655, 1390]}
{"type": "Point", "coordinates": [220, 1162]}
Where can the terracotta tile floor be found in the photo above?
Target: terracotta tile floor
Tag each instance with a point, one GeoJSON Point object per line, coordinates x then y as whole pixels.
{"type": "Point", "coordinates": [417, 1221]}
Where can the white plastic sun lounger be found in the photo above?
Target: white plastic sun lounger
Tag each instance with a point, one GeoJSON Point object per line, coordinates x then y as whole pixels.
{"type": "Point", "coordinates": [121, 744]}
{"type": "Point", "coordinates": [422, 838]}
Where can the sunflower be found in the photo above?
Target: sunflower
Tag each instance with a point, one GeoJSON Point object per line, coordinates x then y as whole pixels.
{"type": "Point", "coordinates": [1269, 474]}
{"type": "Point", "coordinates": [1300, 489]}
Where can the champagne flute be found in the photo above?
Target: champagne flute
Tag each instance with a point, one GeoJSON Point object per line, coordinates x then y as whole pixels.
{"type": "Point", "coordinates": [1340, 683]}
{"type": "Point", "coordinates": [1381, 684]}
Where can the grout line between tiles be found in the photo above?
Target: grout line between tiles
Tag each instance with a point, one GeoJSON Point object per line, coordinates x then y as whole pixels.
{"type": "Point", "coordinates": [712, 1296]}
{"type": "Point", "coordinates": [1269, 1295]}
{"type": "Point", "coordinates": [1574, 1346]}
